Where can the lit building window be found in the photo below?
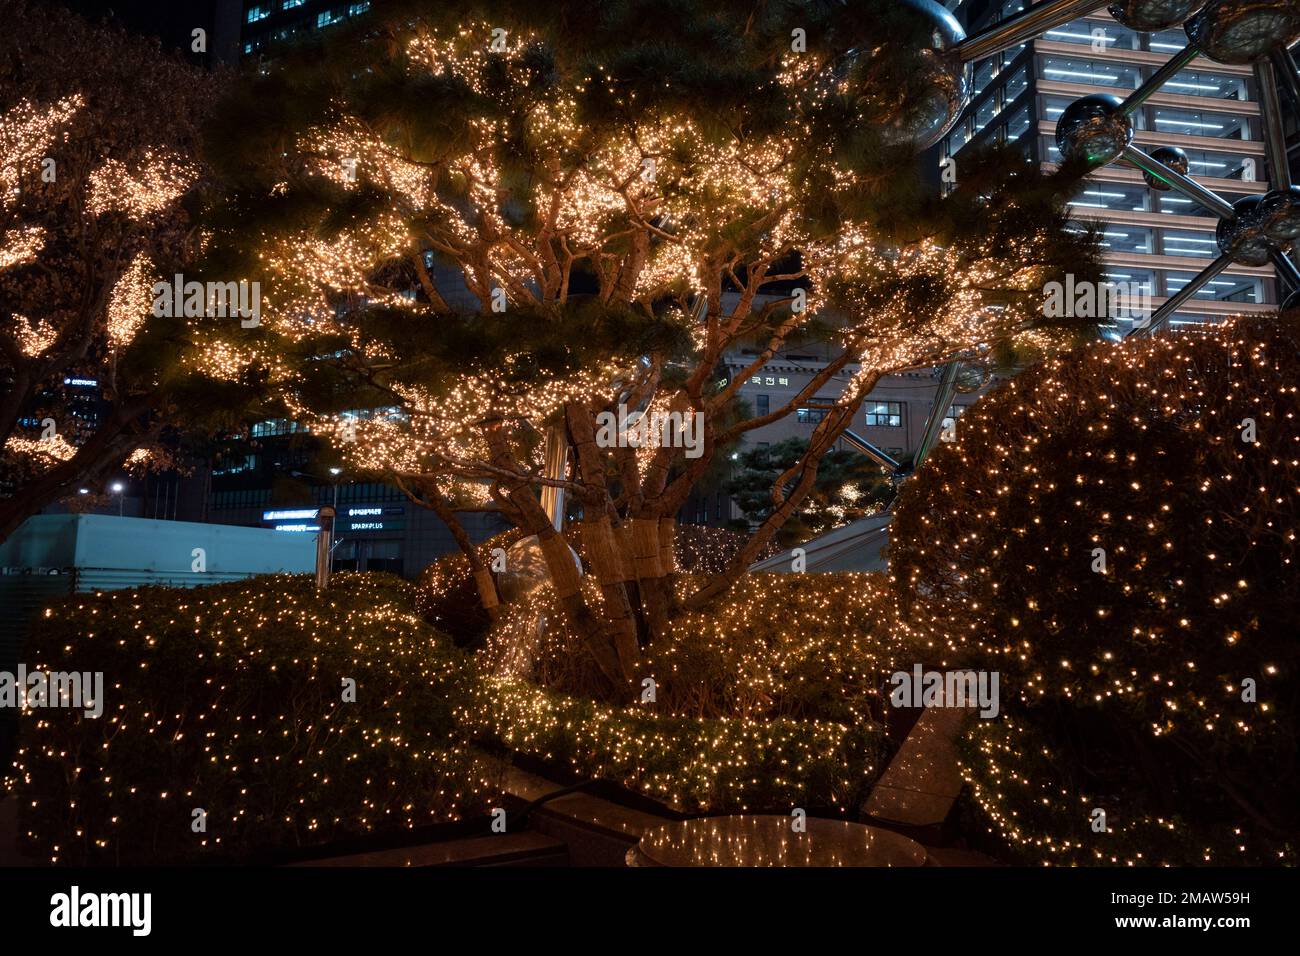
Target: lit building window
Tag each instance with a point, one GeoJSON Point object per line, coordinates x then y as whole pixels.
{"type": "Point", "coordinates": [258, 13]}
{"type": "Point", "coordinates": [885, 414]}
{"type": "Point", "coordinates": [811, 416]}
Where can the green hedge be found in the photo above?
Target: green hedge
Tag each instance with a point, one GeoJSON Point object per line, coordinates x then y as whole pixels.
{"type": "Point", "coordinates": [229, 699]}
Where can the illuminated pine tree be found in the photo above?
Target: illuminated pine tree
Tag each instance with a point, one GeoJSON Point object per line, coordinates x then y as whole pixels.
{"type": "Point", "coordinates": [486, 224]}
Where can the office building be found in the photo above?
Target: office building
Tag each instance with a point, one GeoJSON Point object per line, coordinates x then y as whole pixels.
{"type": "Point", "coordinates": [1155, 240]}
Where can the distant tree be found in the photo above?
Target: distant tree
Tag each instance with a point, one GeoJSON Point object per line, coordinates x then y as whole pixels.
{"type": "Point", "coordinates": [849, 486]}
{"type": "Point", "coordinates": [98, 139]}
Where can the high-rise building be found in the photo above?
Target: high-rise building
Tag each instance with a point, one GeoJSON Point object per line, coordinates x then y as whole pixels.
{"type": "Point", "coordinates": [266, 23]}
{"type": "Point", "coordinates": [1156, 241]}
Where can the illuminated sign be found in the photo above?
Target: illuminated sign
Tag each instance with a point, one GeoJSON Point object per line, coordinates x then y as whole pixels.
{"type": "Point", "coordinates": [89, 382]}
{"type": "Point", "coordinates": [364, 512]}
{"type": "Point", "coordinates": [297, 527]}
{"type": "Point", "coordinates": [388, 524]}
{"type": "Point", "coordinates": [297, 515]}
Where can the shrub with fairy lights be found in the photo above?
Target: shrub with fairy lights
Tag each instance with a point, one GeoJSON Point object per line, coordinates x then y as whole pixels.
{"type": "Point", "coordinates": [457, 600]}
{"type": "Point", "coordinates": [812, 646]}
{"type": "Point", "coordinates": [1116, 532]}
{"type": "Point", "coordinates": [776, 694]}
{"type": "Point", "coordinates": [234, 700]}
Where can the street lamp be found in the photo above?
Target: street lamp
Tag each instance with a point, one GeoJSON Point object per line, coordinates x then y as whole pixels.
{"type": "Point", "coordinates": [117, 489]}
{"type": "Point", "coordinates": [334, 480]}
{"type": "Point", "coordinates": [336, 472]}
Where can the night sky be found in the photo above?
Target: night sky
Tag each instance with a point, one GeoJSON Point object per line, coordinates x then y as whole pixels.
{"type": "Point", "coordinates": [169, 20]}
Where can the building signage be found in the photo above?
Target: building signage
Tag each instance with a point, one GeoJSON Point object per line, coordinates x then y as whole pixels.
{"type": "Point", "coordinates": [387, 524]}
{"type": "Point", "coordinates": [295, 515]}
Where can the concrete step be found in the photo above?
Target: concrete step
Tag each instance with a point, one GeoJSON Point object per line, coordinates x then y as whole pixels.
{"type": "Point", "coordinates": [598, 832]}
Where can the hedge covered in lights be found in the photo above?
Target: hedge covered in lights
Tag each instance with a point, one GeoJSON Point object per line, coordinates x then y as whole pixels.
{"type": "Point", "coordinates": [689, 763]}
{"type": "Point", "coordinates": [772, 699]}
{"type": "Point", "coordinates": [1116, 531]}
{"type": "Point", "coordinates": [230, 699]}
{"type": "Point", "coordinates": [446, 595]}
{"type": "Point", "coordinates": [799, 646]}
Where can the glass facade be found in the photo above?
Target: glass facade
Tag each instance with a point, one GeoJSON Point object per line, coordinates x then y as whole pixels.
{"type": "Point", "coordinates": [1207, 109]}
{"type": "Point", "coordinates": [268, 23]}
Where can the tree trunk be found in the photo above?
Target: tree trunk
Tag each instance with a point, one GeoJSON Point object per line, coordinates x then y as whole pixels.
{"type": "Point", "coordinates": [601, 544]}
{"type": "Point", "coordinates": [610, 571]}
{"type": "Point", "coordinates": [487, 589]}
{"type": "Point", "coordinates": [559, 564]}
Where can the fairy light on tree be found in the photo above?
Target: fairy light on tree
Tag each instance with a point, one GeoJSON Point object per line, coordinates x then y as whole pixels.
{"type": "Point", "coordinates": [98, 134]}
{"type": "Point", "coordinates": [481, 230]}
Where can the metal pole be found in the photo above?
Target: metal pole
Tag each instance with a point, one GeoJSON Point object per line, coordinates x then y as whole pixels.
{"type": "Point", "coordinates": [1159, 78]}
{"type": "Point", "coordinates": [1161, 315]}
{"type": "Point", "coordinates": [1286, 269]}
{"type": "Point", "coordinates": [942, 399]}
{"type": "Point", "coordinates": [1188, 187]}
{"type": "Point", "coordinates": [1288, 76]}
{"type": "Point", "coordinates": [323, 549]}
{"type": "Point", "coordinates": [870, 450]}
{"type": "Point", "coordinates": [1024, 25]}
{"type": "Point", "coordinates": [1268, 76]}
{"type": "Point", "coordinates": [1270, 110]}
{"type": "Point", "coordinates": [557, 456]}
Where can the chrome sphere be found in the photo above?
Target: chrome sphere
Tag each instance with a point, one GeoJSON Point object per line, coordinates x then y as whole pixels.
{"type": "Point", "coordinates": [1242, 238]}
{"type": "Point", "coordinates": [972, 376]}
{"type": "Point", "coordinates": [946, 77]}
{"type": "Point", "coordinates": [1171, 156]}
{"type": "Point", "coordinates": [1147, 16]}
{"type": "Point", "coordinates": [1242, 31]}
{"type": "Point", "coordinates": [1094, 128]}
{"type": "Point", "coordinates": [1292, 301]}
{"type": "Point", "coordinates": [526, 569]}
{"type": "Point", "coordinates": [1279, 215]}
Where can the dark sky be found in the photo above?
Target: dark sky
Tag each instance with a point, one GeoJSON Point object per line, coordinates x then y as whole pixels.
{"type": "Point", "coordinates": [170, 20]}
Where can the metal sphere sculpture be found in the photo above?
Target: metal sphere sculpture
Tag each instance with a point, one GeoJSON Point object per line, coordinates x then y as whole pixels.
{"type": "Point", "coordinates": [1241, 237]}
{"type": "Point", "coordinates": [1098, 129]}
{"type": "Point", "coordinates": [1094, 128]}
{"type": "Point", "coordinates": [1150, 16]}
{"type": "Point", "coordinates": [1243, 31]}
{"type": "Point", "coordinates": [1173, 157]}
{"type": "Point", "coordinates": [946, 79]}
{"type": "Point", "coordinates": [1279, 212]}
